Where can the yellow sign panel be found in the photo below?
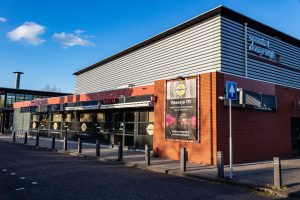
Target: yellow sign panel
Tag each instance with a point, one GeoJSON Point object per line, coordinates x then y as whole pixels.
{"type": "Point", "coordinates": [180, 89]}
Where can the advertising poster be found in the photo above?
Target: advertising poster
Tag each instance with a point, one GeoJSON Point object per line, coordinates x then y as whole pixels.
{"type": "Point", "coordinates": [181, 110]}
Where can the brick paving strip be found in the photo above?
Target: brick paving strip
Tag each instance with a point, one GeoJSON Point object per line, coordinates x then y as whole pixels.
{"type": "Point", "coordinates": [258, 175]}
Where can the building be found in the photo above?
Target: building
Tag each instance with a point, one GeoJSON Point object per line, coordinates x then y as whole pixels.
{"type": "Point", "coordinates": [166, 91]}
{"type": "Point", "coordinates": [8, 96]}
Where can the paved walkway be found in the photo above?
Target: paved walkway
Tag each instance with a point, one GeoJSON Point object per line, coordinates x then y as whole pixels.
{"type": "Point", "coordinates": [258, 174]}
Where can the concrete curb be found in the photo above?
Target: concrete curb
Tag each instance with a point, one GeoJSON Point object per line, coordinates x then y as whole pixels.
{"type": "Point", "coordinates": [259, 188]}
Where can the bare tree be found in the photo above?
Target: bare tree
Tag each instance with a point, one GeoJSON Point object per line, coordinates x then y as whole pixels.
{"type": "Point", "coordinates": [48, 88]}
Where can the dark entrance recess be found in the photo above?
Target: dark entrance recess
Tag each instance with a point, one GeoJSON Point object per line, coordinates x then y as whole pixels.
{"type": "Point", "coordinates": [295, 131]}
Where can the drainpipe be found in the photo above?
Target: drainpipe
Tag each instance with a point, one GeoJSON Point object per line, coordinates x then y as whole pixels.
{"type": "Point", "coordinates": [246, 49]}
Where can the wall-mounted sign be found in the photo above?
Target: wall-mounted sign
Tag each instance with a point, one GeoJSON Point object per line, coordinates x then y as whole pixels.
{"type": "Point", "coordinates": [109, 101]}
{"type": "Point", "coordinates": [55, 126]}
{"type": "Point", "coordinates": [181, 110]}
{"type": "Point", "coordinates": [260, 46]}
{"type": "Point", "coordinates": [83, 127]}
{"type": "Point", "coordinates": [150, 129]}
{"type": "Point", "coordinates": [34, 125]}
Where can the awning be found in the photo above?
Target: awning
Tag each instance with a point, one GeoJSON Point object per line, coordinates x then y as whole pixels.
{"type": "Point", "coordinates": [127, 105]}
{"type": "Point", "coordinates": [94, 107]}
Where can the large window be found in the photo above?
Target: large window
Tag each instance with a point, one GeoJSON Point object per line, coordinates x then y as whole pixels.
{"type": "Point", "coordinates": [28, 97]}
{"type": "Point", "coordinates": [10, 99]}
{"type": "Point", "coordinates": [19, 97]}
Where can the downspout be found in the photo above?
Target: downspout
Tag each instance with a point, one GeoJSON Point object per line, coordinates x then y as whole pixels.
{"type": "Point", "coordinates": [246, 49]}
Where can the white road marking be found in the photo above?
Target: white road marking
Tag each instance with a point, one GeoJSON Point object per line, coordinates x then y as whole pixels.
{"type": "Point", "coordinates": [4, 170]}
{"type": "Point", "coordinates": [20, 189]}
{"type": "Point", "coordinates": [12, 174]}
{"type": "Point", "coordinates": [34, 183]}
{"type": "Point", "coordinates": [22, 178]}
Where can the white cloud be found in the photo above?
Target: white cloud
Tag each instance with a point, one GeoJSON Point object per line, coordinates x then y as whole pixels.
{"type": "Point", "coordinates": [2, 19]}
{"type": "Point", "coordinates": [29, 32]}
{"type": "Point", "coordinates": [72, 39]}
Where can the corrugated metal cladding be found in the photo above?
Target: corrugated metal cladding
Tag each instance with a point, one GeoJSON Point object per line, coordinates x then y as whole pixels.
{"type": "Point", "coordinates": [21, 120]}
{"type": "Point", "coordinates": [233, 56]}
{"type": "Point", "coordinates": [215, 44]}
{"type": "Point", "coordinates": [194, 50]}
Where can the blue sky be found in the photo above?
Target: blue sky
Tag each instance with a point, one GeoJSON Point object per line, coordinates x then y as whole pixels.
{"type": "Point", "coordinates": [50, 40]}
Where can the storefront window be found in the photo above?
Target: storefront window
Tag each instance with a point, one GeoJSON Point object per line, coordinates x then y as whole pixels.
{"type": "Point", "coordinates": [34, 118]}
{"type": "Point", "coordinates": [129, 117]}
{"type": "Point", "coordinates": [100, 117]}
{"type": "Point", "coordinates": [145, 124]}
{"type": "Point", "coordinates": [146, 116]}
{"type": "Point", "coordinates": [129, 128]}
{"type": "Point", "coordinates": [43, 120]}
{"type": "Point", "coordinates": [85, 117]}
{"type": "Point", "coordinates": [119, 117]}
{"type": "Point", "coordinates": [57, 117]}
{"type": "Point", "coordinates": [68, 117]}
{"type": "Point", "coordinates": [108, 126]}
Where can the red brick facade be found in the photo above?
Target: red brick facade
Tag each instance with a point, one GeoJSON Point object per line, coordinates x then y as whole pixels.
{"type": "Point", "coordinates": [256, 135]}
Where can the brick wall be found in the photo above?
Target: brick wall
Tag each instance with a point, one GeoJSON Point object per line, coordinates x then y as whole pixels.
{"type": "Point", "coordinates": [256, 135]}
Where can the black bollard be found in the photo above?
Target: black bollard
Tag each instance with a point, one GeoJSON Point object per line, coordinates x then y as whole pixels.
{"type": "Point", "coordinates": [147, 154]}
{"type": "Point", "coordinates": [14, 136]}
{"type": "Point", "coordinates": [277, 172]}
{"type": "Point", "coordinates": [220, 163]}
{"type": "Point", "coordinates": [65, 144]}
{"type": "Point", "coordinates": [53, 142]}
{"type": "Point", "coordinates": [79, 145]}
{"type": "Point", "coordinates": [97, 148]}
{"type": "Point", "coordinates": [25, 138]}
{"type": "Point", "coordinates": [120, 151]}
{"type": "Point", "coordinates": [183, 159]}
{"type": "Point", "coordinates": [37, 140]}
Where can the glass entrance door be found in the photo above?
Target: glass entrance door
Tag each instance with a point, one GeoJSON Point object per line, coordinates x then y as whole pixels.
{"type": "Point", "coordinates": [125, 123]}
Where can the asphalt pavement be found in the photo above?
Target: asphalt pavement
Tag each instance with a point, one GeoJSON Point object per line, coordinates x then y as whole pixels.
{"type": "Point", "coordinates": [30, 173]}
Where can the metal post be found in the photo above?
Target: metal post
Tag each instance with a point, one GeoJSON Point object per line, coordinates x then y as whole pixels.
{"type": "Point", "coordinates": [97, 148]}
{"type": "Point", "coordinates": [230, 141]}
{"type": "Point", "coordinates": [120, 151]}
{"type": "Point", "coordinates": [79, 145]}
{"type": "Point", "coordinates": [183, 158]}
{"type": "Point", "coordinates": [25, 138]}
{"type": "Point", "coordinates": [147, 154]}
{"type": "Point", "coordinates": [53, 142]}
{"type": "Point", "coordinates": [37, 140]}
{"type": "Point", "coordinates": [220, 163]}
{"type": "Point", "coordinates": [277, 172]}
{"type": "Point", "coordinates": [65, 144]}
{"type": "Point", "coordinates": [14, 136]}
